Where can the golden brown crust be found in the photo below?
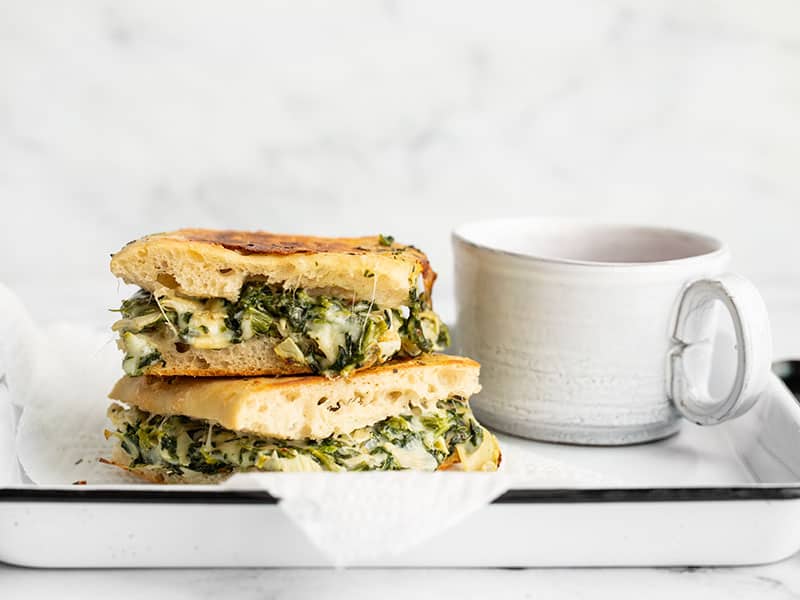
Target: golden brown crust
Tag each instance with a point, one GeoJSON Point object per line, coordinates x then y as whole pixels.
{"type": "Point", "coordinates": [162, 477]}
{"type": "Point", "coordinates": [264, 242]}
{"type": "Point", "coordinates": [167, 371]}
{"type": "Point", "coordinates": [119, 460]}
{"type": "Point", "coordinates": [289, 373]}
{"type": "Point", "coordinates": [396, 366]}
{"type": "Point", "coordinates": [149, 475]}
{"type": "Point", "coordinates": [157, 476]}
{"type": "Point", "coordinates": [449, 463]}
{"type": "Point", "coordinates": [215, 263]}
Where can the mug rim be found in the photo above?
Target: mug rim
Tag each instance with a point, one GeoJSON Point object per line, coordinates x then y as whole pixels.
{"type": "Point", "coordinates": [720, 248]}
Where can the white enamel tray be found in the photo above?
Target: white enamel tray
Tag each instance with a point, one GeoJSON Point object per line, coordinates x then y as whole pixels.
{"type": "Point", "coordinates": [728, 495]}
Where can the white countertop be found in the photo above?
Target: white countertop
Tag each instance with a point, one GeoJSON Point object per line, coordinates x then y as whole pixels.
{"type": "Point", "coordinates": [778, 581]}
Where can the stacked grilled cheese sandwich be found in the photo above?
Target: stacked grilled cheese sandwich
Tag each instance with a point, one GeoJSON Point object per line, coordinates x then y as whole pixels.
{"type": "Point", "coordinates": [248, 351]}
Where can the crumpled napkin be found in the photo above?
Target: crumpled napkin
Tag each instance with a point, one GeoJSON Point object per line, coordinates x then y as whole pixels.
{"type": "Point", "coordinates": [59, 382]}
{"type": "Point", "coordinates": [354, 518]}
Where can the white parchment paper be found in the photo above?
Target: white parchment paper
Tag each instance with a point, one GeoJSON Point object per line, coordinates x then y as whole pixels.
{"type": "Point", "coordinates": [53, 399]}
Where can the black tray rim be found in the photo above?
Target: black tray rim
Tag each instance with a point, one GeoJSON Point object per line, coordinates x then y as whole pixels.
{"type": "Point", "coordinates": [513, 496]}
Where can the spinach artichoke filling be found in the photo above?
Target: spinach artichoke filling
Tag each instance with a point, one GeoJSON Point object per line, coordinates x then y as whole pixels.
{"type": "Point", "coordinates": [183, 446]}
{"type": "Point", "coordinates": [332, 336]}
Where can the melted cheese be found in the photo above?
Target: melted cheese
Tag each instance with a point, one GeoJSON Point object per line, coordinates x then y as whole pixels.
{"type": "Point", "coordinates": [136, 348]}
{"type": "Point", "coordinates": [419, 441]}
{"type": "Point", "coordinates": [323, 332]}
{"type": "Point", "coordinates": [289, 350]}
{"type": "Point", "coordinates": [330, 334]}
{"type": "Point", "coordinates": [414, 456]}
{"type": "Point", "coordinates": [390, 342]}
{"type": "Point", "coordinates": [207, 330]}
{"type": "Point", "coordinates": [201, 324]}
{"type": "Point", "coordinates": [484, 458]}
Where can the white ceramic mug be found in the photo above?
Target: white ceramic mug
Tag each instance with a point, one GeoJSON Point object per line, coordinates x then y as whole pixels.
{"type": "Point", "coordinates": [602, 334]}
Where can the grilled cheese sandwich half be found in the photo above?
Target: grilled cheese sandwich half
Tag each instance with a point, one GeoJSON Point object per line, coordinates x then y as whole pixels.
{"type": "Point", "coordinates": [411, 414]}
{"type": "Point", "coordinates": [226, 303]}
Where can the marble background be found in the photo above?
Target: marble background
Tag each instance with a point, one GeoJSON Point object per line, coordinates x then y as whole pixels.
{"type": "Point", "coordinates": [408, 118]}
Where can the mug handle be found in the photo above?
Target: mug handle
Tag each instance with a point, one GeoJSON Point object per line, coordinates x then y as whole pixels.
{"type": "Point", "coordinates": [753, 348]}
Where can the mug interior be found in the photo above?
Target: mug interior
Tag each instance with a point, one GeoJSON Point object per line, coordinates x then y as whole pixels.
{"type": "Point", "coordinates": [574, 241]}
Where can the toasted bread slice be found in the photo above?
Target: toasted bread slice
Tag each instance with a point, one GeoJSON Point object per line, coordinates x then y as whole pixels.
{"type": "Point", "coordinates": [310, 407]}
{"type": "Point", "coordinates": [253, 357]}
{"type": "Point", "coordinates": [203, 263]}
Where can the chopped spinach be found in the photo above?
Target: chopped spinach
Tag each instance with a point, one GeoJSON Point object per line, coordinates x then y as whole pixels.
{"type": "Point", "coordinates": [155, 441]}
{"type": "Point", "coordinates": [332, 336]}
{"type": "Point", "coordinates": [422, 330]}
{"type": "Point", "coordinates": [134, 364]}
